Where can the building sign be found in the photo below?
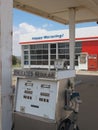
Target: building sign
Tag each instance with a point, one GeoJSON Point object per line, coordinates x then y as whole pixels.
{"type": "Point", "coordinates": [56, 36]}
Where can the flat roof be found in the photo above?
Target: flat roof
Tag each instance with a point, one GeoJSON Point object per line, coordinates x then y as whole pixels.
{"type": "Point", "coordinates": [58, 10]}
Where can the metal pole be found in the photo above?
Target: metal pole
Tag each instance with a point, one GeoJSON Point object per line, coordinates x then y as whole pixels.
{"type": "Point", "coordinates": [6, 10]}
{"type": "Point", "coordinates": [72, 37]}
{"type": "Point", "coordinates": [49, 64]}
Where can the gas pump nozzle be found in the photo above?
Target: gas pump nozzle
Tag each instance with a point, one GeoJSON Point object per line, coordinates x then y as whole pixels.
{"type": "Point", "coordinates": [72, 100]}
{"type": "Point", "coordinates": [75, 99]}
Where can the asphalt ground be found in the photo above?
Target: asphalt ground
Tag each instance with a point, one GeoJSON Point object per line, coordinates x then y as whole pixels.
{"type": "Point", "coordinates": [88, 114]}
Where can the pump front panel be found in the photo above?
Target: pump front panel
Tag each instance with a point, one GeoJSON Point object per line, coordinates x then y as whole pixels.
{"type": "Point", "coordinates": [36, 97]}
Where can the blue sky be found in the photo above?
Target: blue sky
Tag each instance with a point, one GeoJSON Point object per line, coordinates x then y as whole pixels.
{"type": "Point", "coordinates": [39, 22]}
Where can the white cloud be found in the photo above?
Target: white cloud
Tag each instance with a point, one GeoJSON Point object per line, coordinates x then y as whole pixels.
{"type": "Point", "coordinates": [26, 28]}
{"type": "Point", "coordinates": [47, 25]}
{"type": "Point", "coordinates": [22, 29]}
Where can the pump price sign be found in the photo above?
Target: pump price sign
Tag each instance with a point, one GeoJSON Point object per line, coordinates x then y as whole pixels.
{"type": "Point", "coordinates": [34, 74]}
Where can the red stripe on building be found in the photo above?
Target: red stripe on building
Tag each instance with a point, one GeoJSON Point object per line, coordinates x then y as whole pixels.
{"type": "Point", "coordinates": [59, 40]}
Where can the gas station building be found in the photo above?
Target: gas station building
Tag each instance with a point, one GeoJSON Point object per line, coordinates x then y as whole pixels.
{"type": "Point", "coordinates": [41, 50]}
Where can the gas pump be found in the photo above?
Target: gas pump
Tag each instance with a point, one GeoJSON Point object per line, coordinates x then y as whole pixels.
{"type": "Point", "coordinates": [83, 61]}
{"type": "Point", "coordinates": [46, 99]}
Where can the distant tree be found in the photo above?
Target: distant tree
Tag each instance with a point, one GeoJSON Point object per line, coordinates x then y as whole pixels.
{"type": "Point", "coordinates": [14, 60]}
{"type": "Point", "coordinates": [18, 60]}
